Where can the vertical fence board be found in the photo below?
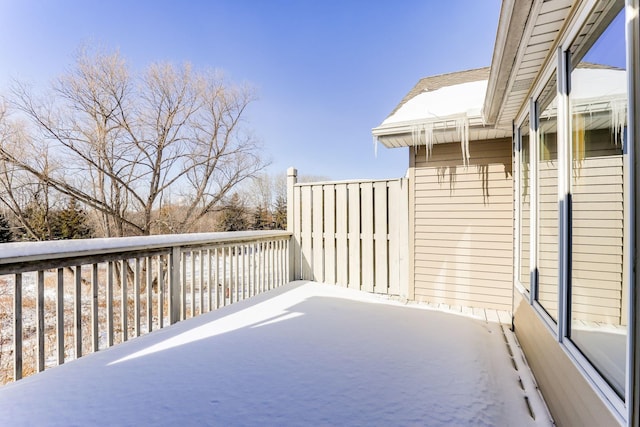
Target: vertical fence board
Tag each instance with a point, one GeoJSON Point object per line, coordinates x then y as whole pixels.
{"type": "Point", "coordinates": [404, 262]}
{"type": "Point", "coordinates": [367, 220]}
{"type": "Point", "coordinates": [381, 264]}
{"type": "Point", "coordinates": [394, 234]}
{"type": "Point", "coordinates": [297, 233]}
{"type": "Point", "coordinates": [342, 253]}
{"type": "Point", "coordinates": [330, 234]}
{"type": "Point", "coordinates": [317, 231]}
{"type": "Point", "coordinates": [306, 226]}
{"type": "Point", "coordinates": [354, 235]}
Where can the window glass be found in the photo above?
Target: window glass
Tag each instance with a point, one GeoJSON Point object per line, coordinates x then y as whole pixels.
{"type": "Point", "coordinates": [598, 100]}
{"type": "Point", "coordinates": [547, 165]}
{"type": "Point", "coordinates": [525, 206]}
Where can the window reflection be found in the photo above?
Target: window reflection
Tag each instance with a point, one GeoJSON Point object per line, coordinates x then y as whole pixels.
{"type": "Point", "coordinates": [598, 102]}
{"type": "Point", "coordinates": [548, 200]}
{"type": "Point", "coordinates": [525, 206]}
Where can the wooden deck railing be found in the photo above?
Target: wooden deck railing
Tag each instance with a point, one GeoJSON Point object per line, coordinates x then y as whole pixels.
{"type": "Point", "coordinates": [62, 299]}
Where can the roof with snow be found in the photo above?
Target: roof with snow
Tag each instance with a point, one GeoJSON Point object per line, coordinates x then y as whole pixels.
{"type": "Point", "coordinates": [433, 83]}
{"type": "Point", "coordinates": [439, 109]}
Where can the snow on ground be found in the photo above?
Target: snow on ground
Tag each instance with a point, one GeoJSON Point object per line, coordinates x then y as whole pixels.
{"type": "Point", "coordinates": [303, 354]}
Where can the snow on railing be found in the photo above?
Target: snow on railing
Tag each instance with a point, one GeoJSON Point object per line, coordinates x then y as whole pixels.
{"type": "Point", "coordinates": [62, 299]}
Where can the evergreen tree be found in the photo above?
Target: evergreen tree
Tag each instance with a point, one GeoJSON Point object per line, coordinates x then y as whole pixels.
{"type": "Point", "coordinates": [260, 219]}
{"type": "Point", "coordinates": [71, 223]}
{"type": "Point", "coordinates": [36, 222]}
{"type": "Point", "coordinates": [5, 230]}
{"type": "Point", "coordinates": [234, 215]}
{"type": "Point", "coordinates": [280, 214]}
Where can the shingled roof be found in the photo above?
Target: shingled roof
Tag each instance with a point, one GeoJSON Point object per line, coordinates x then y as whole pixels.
{"type": "Point", "coordinates": [443, 80]}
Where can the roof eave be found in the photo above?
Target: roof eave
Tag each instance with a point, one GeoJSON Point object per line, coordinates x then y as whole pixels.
{"type": "Point", "coordinates": [511, 25]}
{"type": "Point", "coordinates": [388, 134]}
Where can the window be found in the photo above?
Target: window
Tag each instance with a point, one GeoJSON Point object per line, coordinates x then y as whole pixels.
{"type": "Point", "coordinates": [598, 100]}
{"type": "Point", "coordinates": [525, 206]}
{"type": "Point", "coordinates": [547, 164]}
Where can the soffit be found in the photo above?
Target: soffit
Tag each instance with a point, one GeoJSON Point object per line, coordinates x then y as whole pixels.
{"type": "Point", "coordinates": [541, 30]}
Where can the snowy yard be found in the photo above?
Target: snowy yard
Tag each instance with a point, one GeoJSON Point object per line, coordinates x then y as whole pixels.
{"type": "Point", "coordinates": [302, 354]}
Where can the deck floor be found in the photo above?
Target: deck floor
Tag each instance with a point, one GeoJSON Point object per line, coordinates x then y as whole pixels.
{"type": "Point", "coordinates": [303, 354]}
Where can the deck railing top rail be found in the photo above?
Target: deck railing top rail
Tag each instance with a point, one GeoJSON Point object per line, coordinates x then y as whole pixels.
{"type": "Point", "coordinates": [29, 252]}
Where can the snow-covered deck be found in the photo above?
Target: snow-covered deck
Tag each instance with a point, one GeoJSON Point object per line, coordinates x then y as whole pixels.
{"type": "Point", "coordinates": [302, 354]}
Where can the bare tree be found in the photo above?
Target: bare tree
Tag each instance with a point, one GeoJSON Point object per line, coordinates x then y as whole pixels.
{"type": "Point", "coordinates": [263, 190]}
{"type": "Point", "coordinates": [126, 141]}
{"type": "Point", "coordinates": [27, 199]}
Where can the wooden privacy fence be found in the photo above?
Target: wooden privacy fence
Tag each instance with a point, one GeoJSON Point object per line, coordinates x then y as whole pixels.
{"type": "Point", "coordinates": [350, 233]}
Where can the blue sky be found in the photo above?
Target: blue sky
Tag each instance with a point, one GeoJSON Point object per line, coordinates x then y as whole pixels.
{"type": "Point", "coordinates": [326, 72]}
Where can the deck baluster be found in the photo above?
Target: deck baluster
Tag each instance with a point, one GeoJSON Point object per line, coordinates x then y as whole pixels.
{"type": "Point", "coordinates": [17, 326]}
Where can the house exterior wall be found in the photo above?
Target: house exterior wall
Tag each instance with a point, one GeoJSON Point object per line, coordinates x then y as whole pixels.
{"type": "Point", "coordinates": [573, 171]}
{"type": "Point", "coordinates": [569, 396]}
{"type": "Point", "coordinates": [462, 218]}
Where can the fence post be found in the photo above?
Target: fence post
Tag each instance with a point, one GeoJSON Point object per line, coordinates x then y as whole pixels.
{"type": "Point", "coordinates": [174, 285]}
{"type": "Point", "coordinates": [292, 179]}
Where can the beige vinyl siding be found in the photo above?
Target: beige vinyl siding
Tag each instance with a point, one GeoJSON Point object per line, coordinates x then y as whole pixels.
{"type": "Point", "coordinates": [597, 189]}
{"type": "Point", "coordinates": [463, 225]}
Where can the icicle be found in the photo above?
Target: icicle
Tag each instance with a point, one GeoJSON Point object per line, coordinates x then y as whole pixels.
{"type": "Point", "coordinates": [462, 127]}
{"type": "Point", "coordinates": [618, 119]}
{"type": "Point", "coordinates": [415, 135]}
{"type": "Point", "coordinates": [428, 138]}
